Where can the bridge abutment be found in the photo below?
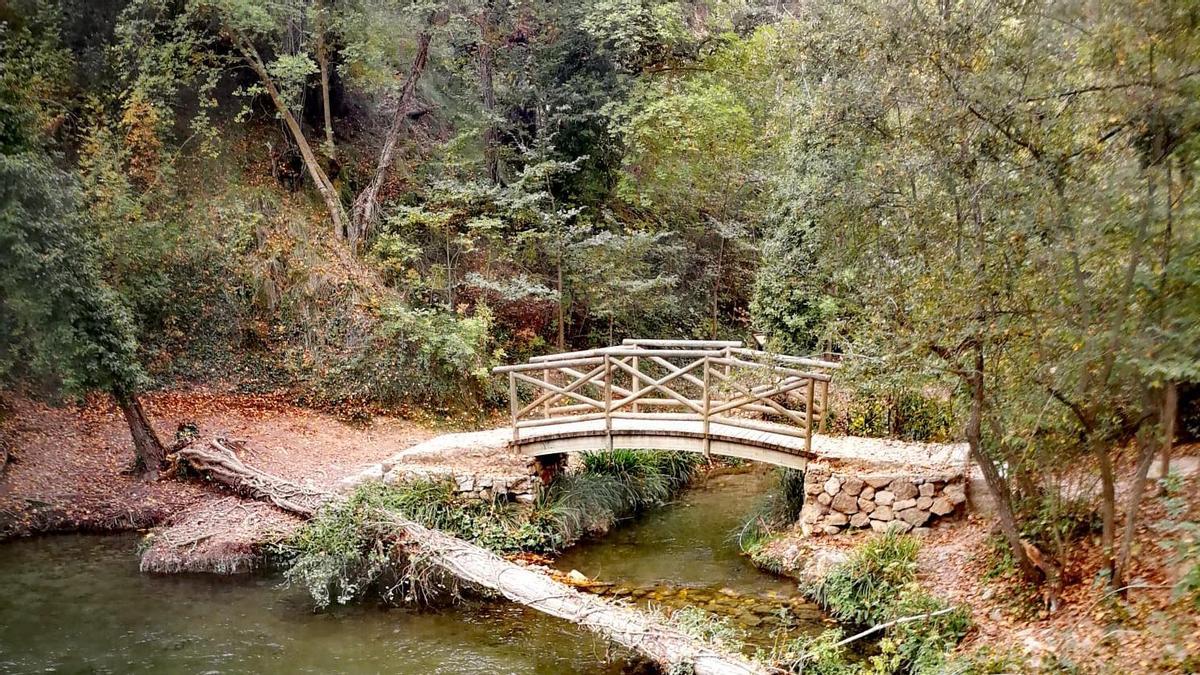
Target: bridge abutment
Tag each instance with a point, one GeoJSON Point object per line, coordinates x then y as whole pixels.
{"type": "Point", "coordinates": [840, 497]}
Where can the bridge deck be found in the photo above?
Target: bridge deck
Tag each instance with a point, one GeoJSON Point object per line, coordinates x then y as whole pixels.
{"type": "Point", "coordinates": [775, 448]}
{"type": "Point", "coordinates": [665, 427]}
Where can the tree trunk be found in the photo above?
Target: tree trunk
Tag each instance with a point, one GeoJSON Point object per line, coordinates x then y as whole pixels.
{"type": "Point", "coordinates": [671, 649]}
{"type": "Point", "coordinates": [149, 454]}
{"type": "Point", "coordinates": [1170, 413]}
{"type": "Point", "coordinates": [561, 301]}
{"type": "Point", "coordinates": [1108, 500]}
{"type": "Point", "coordinates": [1121, 568]}
{"type": "Point", "coordinates": [365, 206]}
{"type": "Point", "coordinates": [991, 474]}
{"type": "Point", "coordinates": [328, 193]}
{"type": "Point", "coordinates": [716, 291]}
{"type": "Point", "coordinates": [488, 96]}
{"type": "Point", "coordinates": [322, 50]}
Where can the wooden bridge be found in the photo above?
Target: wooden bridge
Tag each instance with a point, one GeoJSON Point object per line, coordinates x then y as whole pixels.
{"type": "Point", "coordinates": [712, 397]}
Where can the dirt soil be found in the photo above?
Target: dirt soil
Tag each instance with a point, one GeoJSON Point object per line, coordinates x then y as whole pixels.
{"type": "Point", "coordinates": [66, 470]}
{"type": "Point", "coordinates": [1090, 631]}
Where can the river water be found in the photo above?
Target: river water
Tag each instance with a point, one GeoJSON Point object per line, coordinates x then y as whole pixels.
{"type": "Point", "coordinates": [77, 604]}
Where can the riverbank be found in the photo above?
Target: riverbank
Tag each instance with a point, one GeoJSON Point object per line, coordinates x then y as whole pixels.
{"type": "Point", "coordinates": [1152, 630]}
{"type": "Point", "coordinates": [67, 466]}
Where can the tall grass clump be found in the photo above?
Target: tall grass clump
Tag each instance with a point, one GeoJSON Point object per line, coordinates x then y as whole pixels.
{"type": "Point", "coordinates": [779, 509]}
{"type": "Point", "coordinates": [611, 486]}
{"type": "Point", "coordinates": [877, 584]}
{"type": "Point", "coordinates": [349, 549]}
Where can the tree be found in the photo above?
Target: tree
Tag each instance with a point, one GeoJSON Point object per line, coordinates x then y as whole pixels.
{"type": "Point", "coordinates": [245, 24]}
{"type": "Point", "coordinates": [366, 204]}
{"type": "Point", "coordinates": [57, 318]}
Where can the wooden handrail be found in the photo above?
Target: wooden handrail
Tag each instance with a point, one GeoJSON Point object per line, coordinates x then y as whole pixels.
{"type": "Point", "coordinates": [706, 381]}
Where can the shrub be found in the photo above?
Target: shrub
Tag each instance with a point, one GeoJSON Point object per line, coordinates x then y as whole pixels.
{"type": "Point", "coordinates": [877, 584]}
{"type": "Point", "coordinates": [814, 654]}
{"type": "Point", "coordinates": [611, 486]}
{"type": "Point", "coordinates": [348, 550]}
{"type": "Point", "coordinates": [897, 413]}
{"type": "Point", "coordinates": [415, 356]}
{"type": "Point", "coordinates": [863, 589]}
{"type": "Point", "coordinates": [720, 632]}
{"type": "Point", "coordinates": [780, 508]}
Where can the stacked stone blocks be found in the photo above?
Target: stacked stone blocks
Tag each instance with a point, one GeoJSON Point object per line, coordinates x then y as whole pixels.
{"type": "Point", "coordinates": [838, 500]}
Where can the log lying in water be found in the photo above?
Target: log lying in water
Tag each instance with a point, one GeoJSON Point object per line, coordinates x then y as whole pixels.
{"type": "Point", "coordinates": [627, 626]}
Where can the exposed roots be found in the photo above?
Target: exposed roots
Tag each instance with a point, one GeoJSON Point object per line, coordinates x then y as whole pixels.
{"type": "Point", "coordinates": [223, 537]}
{"type": "Point", "coordinates": [221, 464]}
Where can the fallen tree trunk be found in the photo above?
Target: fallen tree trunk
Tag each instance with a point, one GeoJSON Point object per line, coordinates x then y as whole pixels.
{"type": "Point", "coordinates": [627, 626]}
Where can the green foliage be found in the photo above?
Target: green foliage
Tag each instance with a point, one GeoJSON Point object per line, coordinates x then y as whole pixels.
{"type": "Point", "coordinates": [878, 584]}
{"type": "Point", "coordinates": [863, 589]}
{"type": "Point", "coordinates": [57, 317]}
{"type": "Point", "coordinates": [818, 654]}
{"type": "Point", "coordinates": [611, 486]}
{"type": "Point", "coordinates": [35, 76]}
{"type": "Point", "coordinates": [720, 632]}
{"type": "Point", "coordinates": [349, 549]}
{"type": "Point", "coordinates": [415, 356]}
{"type": "Point", "coordinates": [897, 412]}
{"type": "Point", "coordinates": [779, 509]}
{"type": "Point", "coordinates": [1181, 540]}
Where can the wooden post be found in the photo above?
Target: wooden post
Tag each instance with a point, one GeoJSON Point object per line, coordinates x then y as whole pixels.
{"type": "Point", "coordinates": [707, 406]}
{"type": "Point", "coordinates": [824, 404]}
{"type": "Point", "coordinates": [808, 404]}
{"type": "Point", "coordinates": [635, 381]}
{"type": "Point", "coordinates": [513, 404]}
{"type": "Point", "coordinates": [608, 402]}
{"type": "Point", "coordinates": [546, 405]}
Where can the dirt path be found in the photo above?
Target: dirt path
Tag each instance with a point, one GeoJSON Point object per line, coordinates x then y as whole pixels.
{"type": "Point", "coordinates": [67, 463]}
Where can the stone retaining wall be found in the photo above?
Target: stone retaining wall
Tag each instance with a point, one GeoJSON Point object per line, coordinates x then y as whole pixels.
{"type": "Point", "coordinates": [838, 499]}
{"type": "Point", "coordinates": [471, 485]}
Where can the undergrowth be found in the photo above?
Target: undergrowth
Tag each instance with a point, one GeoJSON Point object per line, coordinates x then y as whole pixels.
{"type": "Point", "coordinates": [349, 550]}
{"type": "Point", "coordinates": [877, 584]}
{"type": "Point", "coordinates": [779, 509]}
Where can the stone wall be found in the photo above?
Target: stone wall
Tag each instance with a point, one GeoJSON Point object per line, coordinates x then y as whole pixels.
{"type": "Point", "coordinates": [837, 499]}
{"type": "Point", "coordinates": [469, 484]}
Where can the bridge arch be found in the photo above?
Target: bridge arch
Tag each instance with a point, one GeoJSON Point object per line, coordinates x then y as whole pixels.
{"type": "Point", "coordinates": [711, 397]}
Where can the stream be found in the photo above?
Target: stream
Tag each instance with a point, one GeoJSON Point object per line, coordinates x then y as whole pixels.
{"type": "Point", "coordinates": [77, 604]}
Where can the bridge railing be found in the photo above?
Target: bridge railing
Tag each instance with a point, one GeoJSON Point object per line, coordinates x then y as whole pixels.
{"type": "Point", "coordinates": [694, 380]}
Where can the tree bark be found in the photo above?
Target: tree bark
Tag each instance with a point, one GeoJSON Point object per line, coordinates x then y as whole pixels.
{"type": "Point", "coordinates": [322, 51]}
{"type": "Point", "coordinates": [1170, 414]}
{"type": "Point", "coordinates": [1121, 569]}
{"type": "Point", "coordinates": [149, 454]}
{"type": "Point", "coordinates": [716, 291]}
{"type": "Point", "coordinates": [488, 95]}
{"type": "Point", "coordinates": [991, 473]}
{"type": "Point", "coordinates": [365, 206]}
{"type": "Point", "coordinates": [328, 193]}
{"type": "Point", "coordinates": [562, 330]}
{"type": "Point", "coordinates": [627, 626]}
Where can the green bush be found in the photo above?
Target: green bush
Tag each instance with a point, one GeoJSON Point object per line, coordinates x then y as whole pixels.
{"type": "Point", "coordinates": [415, 356]}
{"type": "Point", "coordinates": [611, 486]}
{"type": "Point", "coordinates": [348, 550]}
{"type": "Point", "coordinates": [878, 584]}
{"type": "Point", "coordinates": [897, 413]}
{"type": "Point", "coordinates": [779, 509]}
